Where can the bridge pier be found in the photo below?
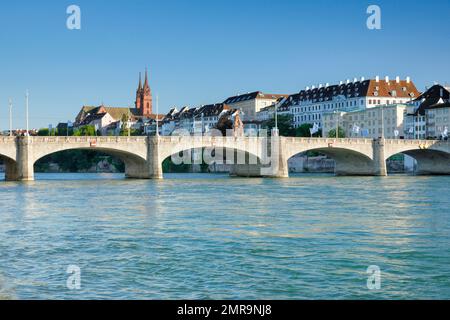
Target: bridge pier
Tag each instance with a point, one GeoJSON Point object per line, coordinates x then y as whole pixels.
{"type": "Point", "coordinates": [273, 166]}
{"type": "Point", "coordinates": [154, 161]}
{"type": "Point", "coordinates": [24, 170]}
{"type": "Point", "coordinates": [11, 170]}
{"type": "Point", "coordinates": [379, 159]}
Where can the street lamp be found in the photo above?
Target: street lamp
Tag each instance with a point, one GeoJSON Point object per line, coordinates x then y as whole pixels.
{"type": "Point", "coordinates": [10, 118]}
{"type": "Point", "coordinates": [337, 124]}
{"type": "Point", "coordinates": [276, 119]}
{"type": "Point", "coordinates": [157, 113]}
{"type": "Point", "coordinates": [26, 113]}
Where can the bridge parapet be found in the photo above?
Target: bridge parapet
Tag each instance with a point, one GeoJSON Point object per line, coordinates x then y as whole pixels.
{"type": "Point", "coordinates": [87, 139]}
{"type": "Point", "coordinates": [7, 139]}
{"type": "Point", "coordinates": [328, 140]}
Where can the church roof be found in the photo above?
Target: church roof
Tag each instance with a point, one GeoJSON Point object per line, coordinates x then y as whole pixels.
{"type": "Point", "coordinates": [115, 112]}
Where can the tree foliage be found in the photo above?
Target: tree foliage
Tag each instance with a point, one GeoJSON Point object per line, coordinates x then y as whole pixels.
{"type": "Point", "coordinates": [332, 133]}
{"type": "Point", "coordinates": [87, 130]}
{"type": "Point", "coordinates": [285, 125]}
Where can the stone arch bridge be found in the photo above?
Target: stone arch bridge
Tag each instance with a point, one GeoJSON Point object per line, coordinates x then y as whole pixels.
{"type": "Point", "coordinates": [250, 156]}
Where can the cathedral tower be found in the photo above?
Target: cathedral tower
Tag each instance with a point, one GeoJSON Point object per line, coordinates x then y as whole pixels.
{"type": "Point", "coordinates": [144, 98]}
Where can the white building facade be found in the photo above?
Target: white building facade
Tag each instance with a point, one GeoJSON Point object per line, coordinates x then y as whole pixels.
{"type": "Point", "coordinates": [309, 105]}
{"type": "Point", "coordinates": [368, 123]}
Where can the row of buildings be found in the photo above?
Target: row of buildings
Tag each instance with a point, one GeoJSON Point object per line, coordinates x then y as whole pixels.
{"type": "Point", "coordinates": [391, 108]}
{"type": "Point", "coordinates": [238, 113]}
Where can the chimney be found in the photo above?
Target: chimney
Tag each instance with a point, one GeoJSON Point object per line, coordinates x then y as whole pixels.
{"type": "Point", "coordinates": [313, 87]}
{"type": "Point", "coordinates": [320, 85]}
{"type": "Point", "coordinates": [397, 79]}
{"type": "Point", "coordinates": [307, 88]}
{"type": "Point", "coordinates": [355, 80]}
{"type": "Point", "coordinates": [387, 79]}
{"type": "Point", "coordinates": [327, 85]}
{"type": "Point", "coordinates": [362, 79]}
{"type": "Point", "coordinates": [341, 82]}
{"type": "Point", "coordinates": [408, 79]}
{"type": "Point", "coordinates": [377, 78]}
{"type": "Point", "coordinates": [348, 81]}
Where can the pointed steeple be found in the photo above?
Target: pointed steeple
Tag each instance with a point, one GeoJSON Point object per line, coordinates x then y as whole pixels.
{"type": "Point", "coordinates": [146, 79]}
{"type": "Point", "coordinates": [146, 104]}
{"type": "Point", "coordinates": [140, 82]}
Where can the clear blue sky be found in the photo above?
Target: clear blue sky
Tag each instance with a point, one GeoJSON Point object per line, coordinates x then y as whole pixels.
{"type": "Point", "coordinates": [201, 52]}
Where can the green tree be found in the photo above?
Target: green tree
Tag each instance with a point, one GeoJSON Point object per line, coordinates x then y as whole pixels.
{"type": "Point", "coordinates": [285, 125]}
{"type": "Point", "coordinates": [304, 131]}
{"type": "Point", "coordinates": [332, 133]}
{"type": "Point", "coordinates": [133, 132]}
{"type": "Point", "coordinates": [43, 132]}
{"type": "Point", "coordinates": [87, 130]}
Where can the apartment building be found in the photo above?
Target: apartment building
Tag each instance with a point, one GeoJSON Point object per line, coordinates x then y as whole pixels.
{"type": "Point", "coordinates": [309, 105]}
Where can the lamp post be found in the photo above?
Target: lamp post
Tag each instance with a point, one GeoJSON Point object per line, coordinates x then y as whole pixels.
{"type": "Point", "coordinates": [157, 113]}
{"type": "Point", "coordinates": [10, 118]}
{"type": "Point", "coordinates": [128, 124]}
{"type": "Point", "coordinates": [337, 124]}
{"type": "Point", "coordinates": [26, 113]}
{"type": "Point", "coordinates": [276, 119]}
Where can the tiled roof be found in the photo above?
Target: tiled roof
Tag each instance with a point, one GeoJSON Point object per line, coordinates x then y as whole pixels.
{"type": "Point", "coordinates": [366, 88]}
{"type": "Point", "coordinates": [212, 110]}
{"type": "Point", "coordinates": [115, 113]}
{"type": "Point", "coordinates": [252, 96]}
{"type": "Point", "coordinates": [432, 98]}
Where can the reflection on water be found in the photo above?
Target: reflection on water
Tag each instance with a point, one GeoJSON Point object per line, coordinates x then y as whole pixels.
{"type": "Point", "coordinates": [210, 237]}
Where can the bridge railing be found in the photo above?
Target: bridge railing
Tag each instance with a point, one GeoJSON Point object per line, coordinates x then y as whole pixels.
{"type": "Point", "coordinates": [7, 139]}
{"type": "Point", "coordinates": [89, 139]}
{"type": "Point", "coordinates": [207, 139]}
{"type": "Point", "coordinates": [413, 142]}
{"type": "Point", "coordinates": [328, 140]}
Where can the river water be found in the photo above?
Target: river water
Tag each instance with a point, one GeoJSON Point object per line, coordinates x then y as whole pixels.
{"type": "Point", "coordinates": [201, 236]}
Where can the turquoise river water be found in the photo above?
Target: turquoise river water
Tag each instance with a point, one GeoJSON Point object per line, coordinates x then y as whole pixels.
{"type": "Point", "coordinates": [201, 236]}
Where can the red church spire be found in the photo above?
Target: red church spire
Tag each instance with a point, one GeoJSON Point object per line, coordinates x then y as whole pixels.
{"type": "Point", "coordinates": [144, 102]}
{"type": "Point", "coordinates": [138, 102]}
{"type": "Point", "coordinates": [146, 80]}
{"type": "Point", "coordinates": [140, 82]}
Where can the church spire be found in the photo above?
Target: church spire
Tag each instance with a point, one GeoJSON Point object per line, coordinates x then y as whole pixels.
{"type": "Point", "coordinates": [146, 79]}
{"type": "Point", "coordinates": [140, 82]}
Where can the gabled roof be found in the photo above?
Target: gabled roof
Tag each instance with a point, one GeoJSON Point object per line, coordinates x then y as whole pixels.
{"type": "Point", "coordinates": [252, 96]}
{"type": "Point", "coordinates": [115, 113]}
{"type": "Point", "coordinates": [368, 88]}
{"type": "Point", "coordinates": [212, 110]}
{"type": "Point", "coordinates": [92, 117]}
{"type": "Point", "coordinates": [434, 97]}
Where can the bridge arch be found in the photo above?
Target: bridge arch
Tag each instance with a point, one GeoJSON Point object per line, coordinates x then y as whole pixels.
{"type": "Point", "coordinates": [8, 155]}
{"type": "Point", "coordinates": [347, 161]}
{"type": "Point", "coordinates": [351, 156]}
{"type": "Point", "coordinates": [11, 168]}
{"type": "Point", "coordinates": [432, 157]}
{"type": "Point", "coordinates": [244, 153]}
{"type": "Point", "coordinates": [134, 157]}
